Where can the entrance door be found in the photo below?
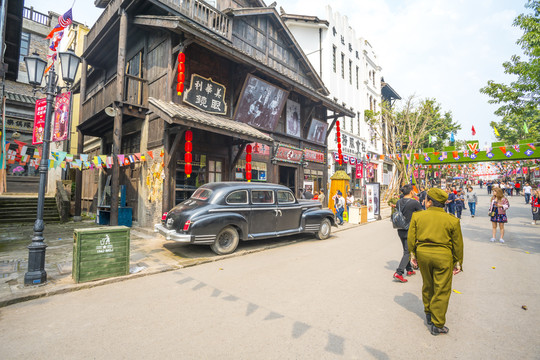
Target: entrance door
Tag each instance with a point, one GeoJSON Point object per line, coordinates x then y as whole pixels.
{"type": "Point", "coordinates": [287, 177]}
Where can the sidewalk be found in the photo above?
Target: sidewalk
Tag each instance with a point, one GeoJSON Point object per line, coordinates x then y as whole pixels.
{"type": "Point", "coordinates": [149, 254]}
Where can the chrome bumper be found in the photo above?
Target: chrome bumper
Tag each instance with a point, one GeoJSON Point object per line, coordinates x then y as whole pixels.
{"type": "Point", "coordinates": [172, 234]}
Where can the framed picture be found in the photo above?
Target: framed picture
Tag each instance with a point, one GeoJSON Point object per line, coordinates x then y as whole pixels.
{"type": "Point", "coordinates": [293, 118]}
{"type": "Point", "coordinates": [317, 131]}
{"type": "Point", "coordinates": [260, 104]}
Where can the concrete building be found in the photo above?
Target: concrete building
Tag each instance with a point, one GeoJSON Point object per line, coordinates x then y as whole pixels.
{"type": "Point", "coordinates": [349, 67]}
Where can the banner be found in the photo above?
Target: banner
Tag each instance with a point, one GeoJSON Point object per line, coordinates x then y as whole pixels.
{"type": "Point", "coordinates": [359, 170]}
{"type": "Point", "coordinates": [61, 117]}
{"type": "Point", "coordinates": [39, 121]}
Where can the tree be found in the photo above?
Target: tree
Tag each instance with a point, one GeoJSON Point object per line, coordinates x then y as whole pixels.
{"type": "Point", "coordinates": [442, 125]}
{"type": "Point", "coordinates": [519, 101]}
{"type": "Point", "coordinates": [407, 130]}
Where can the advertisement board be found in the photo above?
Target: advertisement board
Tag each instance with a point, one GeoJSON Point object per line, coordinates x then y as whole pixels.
{"type": "Point", "coordinates": [373, 199]}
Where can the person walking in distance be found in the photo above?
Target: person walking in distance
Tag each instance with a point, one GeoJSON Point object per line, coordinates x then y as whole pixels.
{"type": "Point", "coordinates": [436, 245]}
{"type": "Point", "coordinates": [322, 197]}
{"type": "Point", "coordinates": [408, 205]}
{"type": "Point", "coordinates": [497, 212]}
{"type": "Point", "coordinates": [339, 202]}
{"type": "Point", "coordinates": [450, 203]}
{"type": "Point", "coordinates": [535, 205]}
{"type": "Point", "coordinates": [459, 203]}
{"type": "Point", "coordinates": [472, 199]}
{"type": "Point", "coordinates": [527, 191]}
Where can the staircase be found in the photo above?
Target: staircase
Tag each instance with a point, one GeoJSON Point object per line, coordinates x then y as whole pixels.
{"type": "Point", "coordinates": [24, 209]}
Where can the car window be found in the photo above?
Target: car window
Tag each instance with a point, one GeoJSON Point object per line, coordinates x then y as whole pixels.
{"type": "Point", "coordinates": [202, 194]}
{"type": "Point", "coordinates": [237, 197]}
{"type": "Point", "coordinates": [285, 197]}
{"type": "Point", "coordinates": [262, 196]}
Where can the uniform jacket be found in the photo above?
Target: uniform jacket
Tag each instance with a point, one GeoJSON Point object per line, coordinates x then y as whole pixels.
{"type": "Point", "coordinates": [433, 228]}
{"type": "Point", "coordinates": [500, 211]}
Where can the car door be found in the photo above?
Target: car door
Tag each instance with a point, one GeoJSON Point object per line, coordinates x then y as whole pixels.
{"type": "Point", "coordinates": [263, 214]}
{"type": "Point", "coordinates": [289, 213]}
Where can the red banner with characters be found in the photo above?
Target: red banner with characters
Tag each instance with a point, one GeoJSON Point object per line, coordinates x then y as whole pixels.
{"type": "Point", "coordinates": [359, 170]}
{"type": "Point", "coordinates": [39, 121]}
{"type": "Point", "coordinates": [61, 117]}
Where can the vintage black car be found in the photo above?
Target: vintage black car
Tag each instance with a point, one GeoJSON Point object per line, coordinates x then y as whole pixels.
{"type": "Point", "coordinates": [223, 213]}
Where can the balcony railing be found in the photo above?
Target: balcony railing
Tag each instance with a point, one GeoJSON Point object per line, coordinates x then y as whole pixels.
{"type": "Point", "coordinates": [31, 14]}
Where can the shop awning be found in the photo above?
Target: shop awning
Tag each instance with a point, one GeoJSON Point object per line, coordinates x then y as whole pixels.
{"type": "Point", "coordinates": [188, 116]}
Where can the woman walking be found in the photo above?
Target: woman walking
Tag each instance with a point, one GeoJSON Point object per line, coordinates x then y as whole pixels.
{"type": "Point", "coordinates": [535, 205]}
{"type": "Point", "coordinates": [497, 212]}
{"type": "Point", "coordinates": [472, 199]}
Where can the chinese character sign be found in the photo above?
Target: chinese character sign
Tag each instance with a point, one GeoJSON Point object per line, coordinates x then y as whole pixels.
{"type": "Point", "coordinates": [39, 121]}
{"type": "Point", "coordinates": [359, 170]}
{"type": "Point", "coordinates": [206, 95]}
{"type": "Point", "coordinates": [61, 117]}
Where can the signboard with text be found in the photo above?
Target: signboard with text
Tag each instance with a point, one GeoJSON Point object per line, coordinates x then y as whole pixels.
{"type": "Point", "coordinates": [206, 95]}
{"type": "Point", "coordinates": [61, 117]}
{"type": "Point", "coordinates": [39, 121]}
{"type": "Point", "coordinates": [289, 154]}
{"type": "Point", "coordinates": [314, 156]}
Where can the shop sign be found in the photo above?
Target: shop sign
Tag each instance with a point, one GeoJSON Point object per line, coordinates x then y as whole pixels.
{"type": "Point", "coordinates": [61, 117]}
{"type": "Point", "coordinates": [260, 149]}
{"type": "Point", "coordinates": [289, 154]}
{"type": "Point", "coordinates": [359, 170]}
{"type": "Point", "coordinates": [206, 95]}
{"type": "Point", "coordinates": [314, 156]}
{"type": "Point", "coordinates": [19, 125]}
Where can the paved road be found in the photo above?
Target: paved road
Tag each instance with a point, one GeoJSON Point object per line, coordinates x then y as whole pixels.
{"type": "Point", "coordinates": [332, 299]}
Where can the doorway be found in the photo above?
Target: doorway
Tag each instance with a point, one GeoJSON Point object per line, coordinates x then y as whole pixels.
{"type": "Point", "coordinates": [287, 177]}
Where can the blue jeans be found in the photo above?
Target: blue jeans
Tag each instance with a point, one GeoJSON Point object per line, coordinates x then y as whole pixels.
{"type": "Point", "coordinates": [339, 215]}
{"type": "Point", "coordinates": [452, 208]}
{"type": "Point", "coordinates": [472, 207]}
{"type": "Point", "coordinates": [527, 198]}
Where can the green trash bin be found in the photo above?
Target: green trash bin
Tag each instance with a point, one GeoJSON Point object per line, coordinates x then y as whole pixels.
{"type": "Point", "coordinates": [100, 253]}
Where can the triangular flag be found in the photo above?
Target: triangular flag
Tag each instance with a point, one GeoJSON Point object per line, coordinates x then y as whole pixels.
{"type": "Point", "coordinates": [503, 149]}
{"type": "Point", "coordinates": [121, 159]}
{"type": "Point", "coordinates": [103, 159]}
{"type": "Point", "coordinates": [516, 147]}
{"type": "Point", "coordinates": [151, 154]}
{"type": "Point", "coordinates": [532, 146]}
{"type": "Point", "coordinates": [69, 157]}
{"type": "Point", "coordinates": [161, 153]}
{"type": "Point", "coordinates": [496, 132]}
{"type": "Point", "coordinates": [138, 156]}
{"type": "Point", "coordinates": [143, 158]}
{"type": "Point", "coordinates": [525, 128]}
{"type": "Point", "coordinates": [126, 161]}
{"type": "Point", "coordinates": [473, 131]}
{"type": "Point", "coordinates": [96, 161]}
{"type": "Point", "coordinates": [51, 163]}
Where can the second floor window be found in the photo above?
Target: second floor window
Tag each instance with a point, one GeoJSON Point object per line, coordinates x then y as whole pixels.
{"type": "Point", "coordinates": [342, 65]}
{"type": "Point", "coordinates": [357, 69]}
{"type": "Point", "coordinates": [350, 72]}
{"type": "Point", "coordinates": [25, 46]}
{"type": "Point", "coordinates": [334, 58]}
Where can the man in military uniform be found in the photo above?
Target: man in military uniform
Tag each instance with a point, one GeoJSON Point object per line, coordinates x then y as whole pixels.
{"type": "Point", "coordinates": [436, 245]}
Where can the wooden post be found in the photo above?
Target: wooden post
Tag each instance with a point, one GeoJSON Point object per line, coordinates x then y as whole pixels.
{"type": "Point", "coordinates": [117, 131]}
{"type": "Point", "coordinates": [80, 143]}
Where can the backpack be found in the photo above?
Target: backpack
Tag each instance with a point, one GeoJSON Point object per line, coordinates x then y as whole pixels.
{"type": "Point", "coordinates": [398, 219]}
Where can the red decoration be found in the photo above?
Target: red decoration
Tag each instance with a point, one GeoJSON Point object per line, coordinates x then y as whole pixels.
{"type": "Point", "coordinates": [338, 133]}
{"type": "Point", "coordinates": [181, 74]}
{"type": "Point", "coordinates": [188, 157]}
{"type": "Point", "coordinates": [248, 162]}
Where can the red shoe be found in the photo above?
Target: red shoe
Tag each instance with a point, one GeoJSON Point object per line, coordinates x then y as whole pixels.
{"type": "Point", "coordinates": [411, 273]}
{"type": "Point", "coordinates": [400, 278]}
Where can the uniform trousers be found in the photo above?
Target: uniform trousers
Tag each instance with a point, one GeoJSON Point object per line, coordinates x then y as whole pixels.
{"type": "Point", "coordinates": [436, 265]}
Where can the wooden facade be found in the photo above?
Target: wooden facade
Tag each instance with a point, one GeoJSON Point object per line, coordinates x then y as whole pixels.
{"type": "Point", "coordinates": [236, 40]}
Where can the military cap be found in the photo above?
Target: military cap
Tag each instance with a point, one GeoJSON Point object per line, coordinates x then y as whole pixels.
{"type": "Point", "coordinates": [438, 195]}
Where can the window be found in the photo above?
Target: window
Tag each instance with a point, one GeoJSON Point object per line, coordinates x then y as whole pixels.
{"type": "Point", "coordinates": [214, 171]}
{"type": "Point", "coordinates": [237, 197]}
{"type": "Point", "coordinates": [131, 143]}
{"type": "Point", "coordinates": [334, 57]}
{"type": "Point", "coordinates": [357, 70]}
{"type": "Point", "coordinates": [25, 46]}
{"type": "Point", "coordinates": [358, 120]}
{"type": "Point", "coordinates": [202, 194]}
{"type": "Point", "coordinates": [342, 65]}
{"type": "Point", "coordinates": [285, 197]}
{"type": "Point", "coordinates": [374, 79]}
{"type": "Point", "coordinates": [262, 197]}
{"type": "Point", "coordinates": [350, 72]}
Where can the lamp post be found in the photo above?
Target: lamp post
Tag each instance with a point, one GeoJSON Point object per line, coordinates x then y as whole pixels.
{"type": "Point", "coordinates": [35, 66]}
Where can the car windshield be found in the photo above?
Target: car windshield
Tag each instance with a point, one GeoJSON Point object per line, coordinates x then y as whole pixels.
{"type": "Point", "coordinates": [202, 194]}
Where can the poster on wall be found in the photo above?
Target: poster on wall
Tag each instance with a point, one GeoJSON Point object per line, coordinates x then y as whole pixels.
{"type": "Point", "coordinates": [61, 117]}
{"type": "Point", "coordinates": [317, 131]}
{"type": "Point", "coordinates": [293, 118]}
{"type": "Point", "coordinates": [373, 199]}
{"type": "Point", "coordinates": [39, 121]}
{"type": "Point", "coordinates": [260, 104]}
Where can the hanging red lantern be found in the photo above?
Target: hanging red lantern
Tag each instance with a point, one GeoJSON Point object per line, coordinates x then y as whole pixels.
{"type": "Point", "coordinates": [338, 133]}
{"type": "Point", "coordinates": [188, 157]}
{"type": "Point", "coordinates": [248, 162]}
{"type": "Point", "coordinates": [181, 76]}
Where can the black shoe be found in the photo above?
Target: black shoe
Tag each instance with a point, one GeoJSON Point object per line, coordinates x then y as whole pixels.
{"type": "Point", "coordinates": [428, 319]}
{"type": "Point", "coordinates": [438, 331]}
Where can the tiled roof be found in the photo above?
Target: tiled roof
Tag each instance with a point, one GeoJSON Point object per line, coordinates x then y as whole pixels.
{"type": "Point", "coordinates": [20, 98]}
{"type": "Point", "coordinates": [185, 115]}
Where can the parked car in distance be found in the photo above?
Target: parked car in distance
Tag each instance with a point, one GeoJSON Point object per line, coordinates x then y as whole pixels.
{"type": "Point", "coordinates": [223, 213]}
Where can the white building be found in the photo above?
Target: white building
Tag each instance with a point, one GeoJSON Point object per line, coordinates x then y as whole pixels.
{"type": "Point", "coordinates": [349, 68]}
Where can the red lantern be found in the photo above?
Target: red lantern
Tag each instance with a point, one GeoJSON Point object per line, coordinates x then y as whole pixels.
{"type": "Point", "coordinates": [181, 73]}
{"type": "Point", "coordinates": [188, 157]}
{"type": "Point", "coordinates": [248, 162]}
{"type": "Point", "coordinates": [248, 176]}
{"type": "Point", "coordinates": [248, 158]}
{"type": "Point", "coordinates": [248, 167]}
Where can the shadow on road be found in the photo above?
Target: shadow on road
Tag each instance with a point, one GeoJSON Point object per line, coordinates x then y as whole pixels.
{"type": "Point", "coordinates": [411, 302]}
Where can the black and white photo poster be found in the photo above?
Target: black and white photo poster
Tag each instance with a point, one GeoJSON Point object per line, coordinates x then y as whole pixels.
{"type": "Point", "coordinates": [317, 131]}
{"type": "Point", "coordinates": [293, 118]}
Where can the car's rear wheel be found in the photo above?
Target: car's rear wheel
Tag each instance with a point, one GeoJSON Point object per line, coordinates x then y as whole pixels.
{"type": "Point", "coordinates": [226, 241]}
{"type": "Point", "coordinates": [324, 230]}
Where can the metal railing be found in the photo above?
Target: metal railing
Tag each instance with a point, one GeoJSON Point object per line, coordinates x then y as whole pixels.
{"type": "Point", "coordinates": [31, 14]}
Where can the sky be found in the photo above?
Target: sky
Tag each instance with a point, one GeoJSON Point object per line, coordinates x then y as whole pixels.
{"type": "Point", "coordinates": [439, 49]}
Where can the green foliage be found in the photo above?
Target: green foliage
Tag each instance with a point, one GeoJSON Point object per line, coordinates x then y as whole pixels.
{"type": "Point", "coordinates": [442, 124]}
{"type": "Point", "coordinates": [512, 127]}
{"type": "Point", "coordinates": [523, 94]}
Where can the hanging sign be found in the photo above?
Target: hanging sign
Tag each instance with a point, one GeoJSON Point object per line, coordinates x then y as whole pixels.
{"type": "Point", "coordinates": [206, 95]}
{"type": "Point", "coordinates": [359, 170]}
{"type": "Point", "coordinates": [313, 156]}
{"type": "Point", "coordinates": [289, 154]}
{"type": "Point", "coordinates": [61, 117]}
{"type": "Point", "coordinates": [39, 121]}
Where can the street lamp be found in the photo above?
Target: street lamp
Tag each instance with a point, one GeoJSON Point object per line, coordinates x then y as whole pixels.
{"type": "Point", "coordinates": [35, 66]}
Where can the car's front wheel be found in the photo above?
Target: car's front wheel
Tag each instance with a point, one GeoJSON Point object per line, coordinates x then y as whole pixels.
{"type": "Point", "coordinates": [324, 230]}
{"type": "Point", "coordinates": [226, 241]}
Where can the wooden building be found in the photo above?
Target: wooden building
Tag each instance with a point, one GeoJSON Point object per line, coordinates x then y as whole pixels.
{"type": "Point", "coordinates": [246, 82]}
